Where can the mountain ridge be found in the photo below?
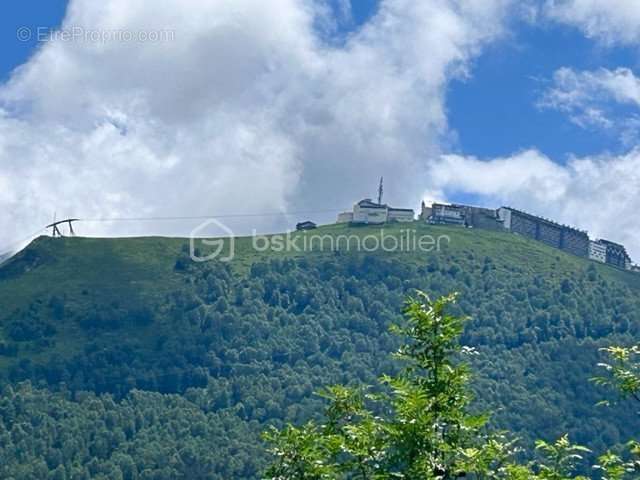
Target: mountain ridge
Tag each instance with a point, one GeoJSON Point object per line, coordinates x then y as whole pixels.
{"type": "Point", "coordinates": [254, 337]}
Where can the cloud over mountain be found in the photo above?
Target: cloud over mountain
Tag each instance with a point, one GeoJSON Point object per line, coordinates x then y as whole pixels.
{"type": "Point", "coordinates": [594, 193]}
{"type": "Point", "coordinates": [245, 106]}
{"type": "Point", "coordinates": [197, 108]}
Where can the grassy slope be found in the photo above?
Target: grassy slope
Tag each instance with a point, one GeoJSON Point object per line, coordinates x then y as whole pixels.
{"type": "Point", "coordinates": [89, 271]}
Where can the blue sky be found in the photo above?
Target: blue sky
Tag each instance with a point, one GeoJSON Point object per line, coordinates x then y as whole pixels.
{"type": "Point", "coordinates": [495, 111]}
{"type": "Point", "coordinates": [26, 13]}
{"type": "Point", "coordinates": [310, 105]}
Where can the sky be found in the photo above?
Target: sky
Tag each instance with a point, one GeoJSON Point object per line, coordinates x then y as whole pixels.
{"type": "Point", "coordinates": [162, 108]}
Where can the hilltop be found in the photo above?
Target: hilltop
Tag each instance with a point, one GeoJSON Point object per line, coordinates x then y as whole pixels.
{"type": "Point", "coordinates": [245, 343]}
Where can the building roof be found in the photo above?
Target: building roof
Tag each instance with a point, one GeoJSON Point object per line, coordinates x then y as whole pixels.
{"type": "Point", "coordinates": [391, 209]}
{"type": "Point", "coordinates": [618, 246]}
{"type": "Point", "coordinates": [609, 242]}
{"type": "Point", "coordinates": [449, 205]}
{"type": "Point", "coordinates": [368, 203]}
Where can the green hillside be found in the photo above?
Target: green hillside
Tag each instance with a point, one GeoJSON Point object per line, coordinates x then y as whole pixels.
{"type": "Point", "coordinates": [242, 344]}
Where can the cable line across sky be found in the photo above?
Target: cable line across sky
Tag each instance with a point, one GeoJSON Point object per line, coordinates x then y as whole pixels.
{"type": "Point", "coordinates": [9, 248]}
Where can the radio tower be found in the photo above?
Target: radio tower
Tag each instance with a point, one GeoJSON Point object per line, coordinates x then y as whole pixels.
{"type": "Point", "coordinates": [380, 191]}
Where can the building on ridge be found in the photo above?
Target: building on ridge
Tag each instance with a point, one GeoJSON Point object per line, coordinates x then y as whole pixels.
{"type": "Point", "coordinates": [546, 231]}
{"type": "Point", "coordinates": [597, 251]}
{"type": "Point", "coordinates": [400, 214]}
{"type": "Point", "coordinates": [562, 237]}
{"type": "Point", "coordinates": [425, 211]}
{"type": "Point", "coordinates": [306, 225]}
{"type": "Point", "coordinates": [465, 215]}
{"type": "Point", "coordinates": [368, 212]}
{"type": "Point", "coordinates": [447, 214]}
{"type": "Point", "coordinates": [616, 254]}
{"type": "Point", "coordinates": [345, 217]}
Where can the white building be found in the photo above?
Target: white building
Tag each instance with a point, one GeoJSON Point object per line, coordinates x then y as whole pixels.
{"type": "Point", "coordinates": [345, 217]}
{"type": "Point", "coordinates": [400, 215]}
{"type": "Point", "coordinates": [425, 211]}
{"type": "Point", "coordinates": [597, 251]}
{"type": "Point", "coordinates": [504, 215]}
{"type": "Point", "coordinates": [447, 214]}
{"type": "Point", "coordinates": [368, 212]}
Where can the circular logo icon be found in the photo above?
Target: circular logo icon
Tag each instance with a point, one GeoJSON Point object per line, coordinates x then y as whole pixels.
{"type": "Point", "coordinates": [23, 34]}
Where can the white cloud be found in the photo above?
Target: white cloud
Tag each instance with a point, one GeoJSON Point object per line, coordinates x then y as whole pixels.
{"type": "Point", "coordinates": [609, 21]}
{"type": "Point", "coordinates": [247, 109]}
{"type": "Point", "coordinates": [593, 98]}
{"type": "Point", "coordinates": [598, 194]}
{"type": "Point", "coordinates": [575, 89]}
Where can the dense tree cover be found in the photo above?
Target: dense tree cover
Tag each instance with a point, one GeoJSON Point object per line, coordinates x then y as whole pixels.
{"type": "Point", "coordinates": [144, 436]}
{"type": "Point", "coordinates": [623, 375]}
{"type": "Point", "coordinates": [419, 425]}
{"type": "Point", "coordinates": [254, 345]}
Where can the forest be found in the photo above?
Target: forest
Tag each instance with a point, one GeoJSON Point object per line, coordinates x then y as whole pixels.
{"type": "Point", "coordinates": [420, 423]}
{"type": "Point", "coordinates": [100, 380]}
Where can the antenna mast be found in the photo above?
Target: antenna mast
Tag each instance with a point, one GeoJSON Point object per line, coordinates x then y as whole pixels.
{"type": "Point", "coordinates": [380, 191]}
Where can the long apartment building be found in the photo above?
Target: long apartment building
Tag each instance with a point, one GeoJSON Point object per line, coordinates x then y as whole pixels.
{"type": "Point", "coordinates": [563, 237]}
{"type": "Point", "coordinates": [546, 231]}
{"type": "Point", "coordinates": [605, 251]}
